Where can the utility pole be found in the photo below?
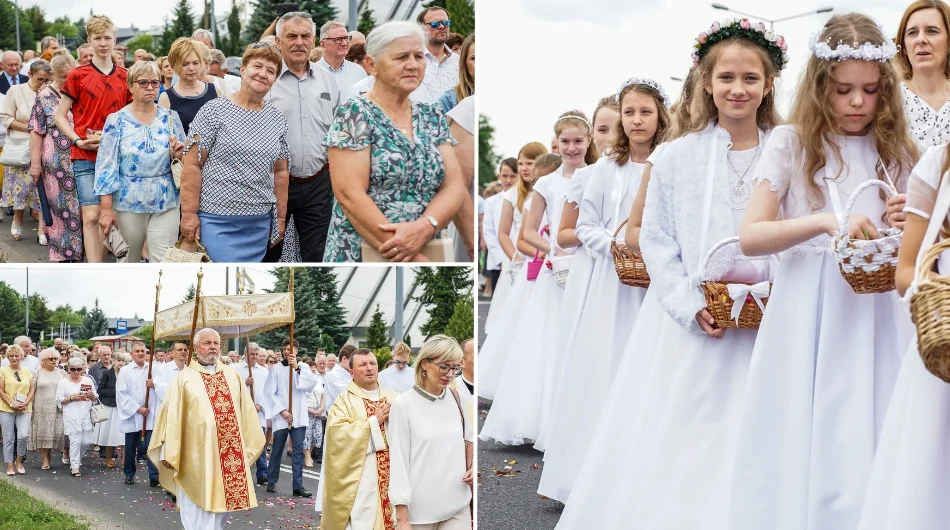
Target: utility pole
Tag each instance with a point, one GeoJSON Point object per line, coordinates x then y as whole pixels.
{"type": "Point", "coordinates": [351, 18]}
{"type": "Point", "coordinates": [16, 16]}
{"type": "Point", "coordinates": [399, 303]}
{"type": "Point", "coordinates": [27, 301]}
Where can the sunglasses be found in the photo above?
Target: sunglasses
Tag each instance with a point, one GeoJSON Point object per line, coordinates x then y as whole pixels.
{"type": "Point", "coordinates": [340, 40]}
{"type": "Point", "coordinates": [261, 44]}
{"type": "Point", "coordinates": [436, 24]}
{"type": "Point", "coordinates": [17, 375]}
{"type": "Point", "coordinates": [75, 369]}
{"type": "Point", "coordinates": [296, 14]}
{"type": "Point", "coordinates": [145, 83]}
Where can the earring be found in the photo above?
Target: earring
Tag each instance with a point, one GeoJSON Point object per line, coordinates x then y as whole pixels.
{"type": "Point", "coordinates": [423, 373]}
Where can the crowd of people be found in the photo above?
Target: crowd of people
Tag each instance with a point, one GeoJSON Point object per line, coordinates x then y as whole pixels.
{"type": "Point", "coordinates": [66, 399]}
{"type": "Point", "coordinates": [740, 276]}
{"type": "Point", "coordinates": [173, 151]}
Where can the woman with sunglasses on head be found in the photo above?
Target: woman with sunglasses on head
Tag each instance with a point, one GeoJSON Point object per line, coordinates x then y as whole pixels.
{"type": "Point", "coordinates": [431, 445]}
{"type": "Point", "coordinates": [16, 405]}
{"type": "Point", "coordinates": [76, 394]}
{"type": "Point", "coordinates": [133, 170]}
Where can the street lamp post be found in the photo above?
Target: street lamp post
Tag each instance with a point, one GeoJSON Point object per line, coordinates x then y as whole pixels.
{"type": "Point", "coordinates": [16, 16]}
{"type": "Point", "coordinates": [770, 21]}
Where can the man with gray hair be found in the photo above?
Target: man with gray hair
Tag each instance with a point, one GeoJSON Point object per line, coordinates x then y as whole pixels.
{"type": "Point", "coordinates": [356, 38]}
{"type": "Point", "coordinates": [30, 361]}
{"type": "Point", "coordinates": [99, 367]}
{"type": "Point", "coordinates": [204, 36]}
{"type": "Point", "coordinates": [205, 436]}
{"type": "Point", "coordinates": [11, 71]}
{"type": "Point", "coordinates": [134, 412]}
{"type": "Point", "coordinates": [255, 383]}
{"type": "Point", "coordinates": [336, 43]}
{"type": "Point", "coordinates": [308, 96]}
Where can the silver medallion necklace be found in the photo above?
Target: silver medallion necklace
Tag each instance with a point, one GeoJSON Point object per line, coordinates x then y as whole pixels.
{"type": "Point", "coordinates": [740, 191]}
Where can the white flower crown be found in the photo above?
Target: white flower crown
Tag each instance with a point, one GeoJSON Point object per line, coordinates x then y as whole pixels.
{"type": "Point", "coordinates": [865, 52]}
{"type": "Point", "coordinates": [648, 82]}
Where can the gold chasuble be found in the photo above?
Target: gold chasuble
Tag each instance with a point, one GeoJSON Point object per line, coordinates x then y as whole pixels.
{"type": "Point", "coordinates": [349, 435]}
{"type": "Point", "coordinates": [208, 430]}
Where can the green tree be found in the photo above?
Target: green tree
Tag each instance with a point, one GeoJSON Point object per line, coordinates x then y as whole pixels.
{"type": "Point", "coordinates": [317, 308]}
{"type": "Point", "coordinates": [326, 342]}
{"type": "Point", "coordinates": [65, 314]}
{"type": "Point", "coordinates": [39, 315]}
{"type": "Point", "coordinates": [168, 37]}
{"type": "Point", "coordinates": [377, 335]}
{"type": "Point", "coordinates": [265, 11]}
{"type": "Point", "coordinates": [367, 22]}
{"type": "Point", "coordinates": [40, 27]}
{"type": "Point", "coordinates": [234, 43]}
{"type": "Point", "coordinates": [487, 159]}
{"type": "Point", "coordinates": [146, 333]}
{"type": "Point", "coordinates": [12, 316]}
{"type": "Point", "coordinates": [189, 294]}
{"type": "Point", "coordinates": [462, 324]}
{"type": "Point", "coordinates": [81, 28]}
{"type": "Point", "coordinates": [322, 11]}
{"type": "Point", "coordinates": [62, 26]}
{"type": "Point", "coordinates": [462, 13]}
{"type": "Point", "coordinates": [435, 3]}
{"type": "Point", "coordinates": [442, 288]}
{"type": "Point", "coordinates": [144, 41]}
{"type": "Point", "coordinates": [94, 323]}
{"type": "Point", "coordinates": [205, 21]}
{"type": "Point", "coordinates": [383, 356]}
{"type": "Point", "coordinates": [183, 23]}
{"type": "Point", "coordinates": [8, 39]}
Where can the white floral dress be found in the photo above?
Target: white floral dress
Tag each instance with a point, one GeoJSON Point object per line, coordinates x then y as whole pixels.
{"type": "Point", "coordinates": [928, 127]}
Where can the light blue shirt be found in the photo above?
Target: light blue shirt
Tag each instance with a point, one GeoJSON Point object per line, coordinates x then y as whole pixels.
{"type": "Point", "coordinates": [348, 73]}
{"type": "Point", "coordinates": [134, 164]}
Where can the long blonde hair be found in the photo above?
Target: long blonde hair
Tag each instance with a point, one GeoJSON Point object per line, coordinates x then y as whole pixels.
{"type": "Point", "coordinates": [680, 110]}
{"type": "Point", "coordinates": [621, 145]}
{"type": "Point", "coordinates": [702, 107]}
{"type": "Point", "coordinates": [466, 85]}
{"type": "Point", "coordinates": [530, 151]}
{"type": "Point", "coordinates": [576, 118]}
{"type": "Point", "coordinates": [814, 118]}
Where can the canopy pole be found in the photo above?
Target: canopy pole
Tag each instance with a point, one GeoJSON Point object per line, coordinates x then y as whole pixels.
{"type": "Point", "coordinates": [151, 353]}
{"type": "Point", "coordinates": [290, 369]}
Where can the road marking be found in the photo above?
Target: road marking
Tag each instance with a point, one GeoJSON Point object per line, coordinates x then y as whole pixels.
{"type": "Point", "coordinates": [315, 475]}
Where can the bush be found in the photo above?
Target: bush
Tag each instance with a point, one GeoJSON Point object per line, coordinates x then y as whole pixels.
{"type": "Point", "coordinates": [383, 356]}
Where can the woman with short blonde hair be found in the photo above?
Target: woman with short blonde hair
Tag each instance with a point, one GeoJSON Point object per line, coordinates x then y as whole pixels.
{"type": "Point", "coordinates": [17, 387]}
{"type": "Point", "coordinates": [189, 59]}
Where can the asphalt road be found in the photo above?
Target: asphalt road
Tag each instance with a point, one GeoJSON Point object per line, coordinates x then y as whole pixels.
{"type": "Point", "coordinates": [508, 478]}
{"type": "Point", "coordinates": [25, 251]}
{"type": "Point", "coordinates": [101, 498]}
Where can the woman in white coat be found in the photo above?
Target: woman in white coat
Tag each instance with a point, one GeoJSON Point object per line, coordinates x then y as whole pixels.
{"type": "Point", "coordinates": [611, 308]}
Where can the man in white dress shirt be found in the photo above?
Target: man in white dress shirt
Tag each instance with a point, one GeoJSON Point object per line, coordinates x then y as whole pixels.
{"type": "Point", "coordinates": [286, 422]}
{"type": "Point", "coordinates": [399, 377]}
{"type": "Point", "coordinates": [338, 379]}
{"type": "Point", "coordinates": [133, 410]}
{"type": "Point", "coordinates": [442, 66]}
{"type": "Point", "coordinates": [165, 373]}
{"type": "Point", "coordinates": [336, 43]}
{"type": "Point", "coordinates": [255, 384]}
{"type": "Point", "coordinates": [30, 361]}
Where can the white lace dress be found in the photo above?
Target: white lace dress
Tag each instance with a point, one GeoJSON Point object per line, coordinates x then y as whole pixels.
{"type": "Point", "coordinates": [517, 413]}
{"type": "Point", "coordinates": [660, 456]}
{"type": "Point", "coordinates": [911, 473]}
{"type": "Point", "coordinates": [823, 368]}
{"type": "Point", "coordinates": [604, 325]}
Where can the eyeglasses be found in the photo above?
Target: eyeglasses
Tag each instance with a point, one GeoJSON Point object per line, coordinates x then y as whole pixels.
{"type": "Point", "coordinates": [74, 369]}
{"type": "Point", "coordinates": [145, 83]}
{"type": "Point", "coordinates": [401, 363]}
{"type": "Point", "coordinates": [296, 14]}
{"type": "Point", "coordinates": [435, 24]}
{"type": "Point", "coordinates": [340, 40]}
{"type": "Point", "coordinates": [445, 368]}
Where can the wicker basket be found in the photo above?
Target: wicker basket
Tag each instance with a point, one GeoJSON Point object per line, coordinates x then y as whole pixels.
{"type": "Point", "coordinates": [719, 301]}
{"type": "Point", "coordinates": [561, 265]}
{"type": "Point", "coordinates": [930, 311]}
{"type": "Point", "coordinates": [868, 266]}
{"type": "Point", "coordinates": [535, 265]}
{"type": "Point", "coordinates": [176, 255]}
{"type": "Point", "coordinates": [629, 263]}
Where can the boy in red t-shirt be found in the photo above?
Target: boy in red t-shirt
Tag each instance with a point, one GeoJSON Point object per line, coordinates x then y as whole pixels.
{"type": "Point", "coordinates": [92, 92]}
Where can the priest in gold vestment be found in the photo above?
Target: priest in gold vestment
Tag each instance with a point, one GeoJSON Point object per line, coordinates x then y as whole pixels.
{"type": "Point", "coordinates": [206, 435]}
{"type": "Point", "coordinates": [356, 464]}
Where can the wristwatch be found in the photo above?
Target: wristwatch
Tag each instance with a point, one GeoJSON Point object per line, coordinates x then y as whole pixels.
{"type": "Point", "coordinates": [76, 141]}
{"type": "Point", "coordinates": [432, 221]}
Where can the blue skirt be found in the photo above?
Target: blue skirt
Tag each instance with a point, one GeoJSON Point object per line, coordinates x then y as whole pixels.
{"type": "Point", "coordinates": [235, 238]}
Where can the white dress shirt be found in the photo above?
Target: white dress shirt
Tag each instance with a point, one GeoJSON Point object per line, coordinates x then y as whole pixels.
{"type": "Point", "coordinates": [130, 395]}
{"type": "Point", "coordinates": [348, 74]}
{"type": "Point", "coordinates": [496, 256]}
{"type": "Point", "coordinates": [337, 380]}
{"type": "Point", "coordinates": [441, 76]}
{"type": "Point", "coordinates": [163, 375]}
{"type": "Point", "coordinates": [419, 95]}
{"type": "Point", "coordinates": [396, 379]}
{"type": "Point", "coordinates": [260, 374]}
{"type": "Point", "coordinates": [275, 395]}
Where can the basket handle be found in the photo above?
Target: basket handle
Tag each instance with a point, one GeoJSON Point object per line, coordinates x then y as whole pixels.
{"type": "Point", "coordinates": [545, 228]}
{"type": "Point", "coordinates": [702, 264]}
{"type": "Point", "coordinates": [926, 263]}
{"type": "Point", "coordinates": [843, 216]}
{"type": "Point", "coordinates": [617, 231]}
{"type": "Point", "coordinates": [201, 247]}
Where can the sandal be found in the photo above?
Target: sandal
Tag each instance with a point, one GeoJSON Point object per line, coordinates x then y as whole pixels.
{"type": "Point", "coordinates": [45, 467]}
{"type": "Point", "coordinates": [20, 470]}
{"type": "Point", "coordinates": [75, 473]}
{"type": "Point", "coordinates": [16, 230]}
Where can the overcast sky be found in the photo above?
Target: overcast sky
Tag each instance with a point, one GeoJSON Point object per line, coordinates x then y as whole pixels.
{"type": "Point", "coordinates": [127, 290]}
{"type": "Point", "coordinates": [539, 58]}
{"type": "Point", "coordinates": [147, 14]}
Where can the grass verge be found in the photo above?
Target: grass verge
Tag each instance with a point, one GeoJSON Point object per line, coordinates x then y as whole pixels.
{"type": "Point", "coordinates": [20, 511]}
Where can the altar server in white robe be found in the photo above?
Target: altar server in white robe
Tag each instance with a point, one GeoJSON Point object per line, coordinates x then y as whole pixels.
{"type": "Point", "coordinates": [398, 377]}
{"type": "Point", "coordinates": [256, 383]}
{"type": "Point", "coordinates": [133, 411]}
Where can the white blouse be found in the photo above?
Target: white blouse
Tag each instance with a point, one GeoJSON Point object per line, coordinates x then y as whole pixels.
{"type": "Point", "coordinates": [928, 127]}
{"type": "Point", "coordinates": [427, 452]}
{"type": "Point", "coordinates": [76, 418]}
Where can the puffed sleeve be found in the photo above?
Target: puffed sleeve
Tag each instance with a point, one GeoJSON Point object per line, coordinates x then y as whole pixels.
{"type": "Point", "coordinates": [924, 182]}
{"type": "Point", "coordinates": [662, 254]}
{"type": "Point", "coordinates": [108, 174]}
{"type": "Point", "coordinates": [350, 129]}
{"type": "Point", "coordinates": [204, 128]}
{"type": "Point", "coordinates": [775, 163]}
{"type": "Point", "coordinates": [400, 445]}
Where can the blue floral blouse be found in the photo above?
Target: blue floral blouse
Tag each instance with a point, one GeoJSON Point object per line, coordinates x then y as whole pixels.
{"type": "Point", "coordinates": [134, 164]}
{"type": "Point", "coordinates": [403, 176]}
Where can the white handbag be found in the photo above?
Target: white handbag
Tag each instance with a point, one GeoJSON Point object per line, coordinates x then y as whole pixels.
{"type": "Point", "coordinates": [16, 152]}
{"type": "Point", "coordinates": [98, 412]}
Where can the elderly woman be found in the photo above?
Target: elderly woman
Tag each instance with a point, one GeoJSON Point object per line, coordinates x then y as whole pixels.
{"type": "Point", "coordinates": [236, 178]}
{"type": "Point", "coordinates": [17, 388]}
{"type": "Point", "coordinates": [393, 198]}
{"type": "Point", "coordinates": [75, 394]}
{"type": "Point", "coordinates": [46, 427]}
{"type": "Point", "coordinates": [50, 161]}
{"type": "Point", "coordinates": [133, 169]}
{"type": "Point", "coordinates": [106, 433]}
{"type": "Point", "coordinates": [427, 425]}
{"type": "Point", "coordinates": [466, 85]}
{"type": "Point", "coordinates": [191, 92]}
{"type": "Point", "coordinates": [19, 191]}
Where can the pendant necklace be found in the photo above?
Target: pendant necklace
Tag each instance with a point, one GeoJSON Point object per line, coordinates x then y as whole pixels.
{"type": "Point", "coordinates": [740, 191]}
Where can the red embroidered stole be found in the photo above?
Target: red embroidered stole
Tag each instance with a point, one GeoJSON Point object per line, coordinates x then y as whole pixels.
{"type": "Point", "coordinates": [230, 444]}
{"type": "Point", "coordinates": [382, 468]}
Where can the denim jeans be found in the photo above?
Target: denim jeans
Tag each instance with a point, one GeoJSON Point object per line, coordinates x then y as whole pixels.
{"type": "Point", "coordinates": [132, 447]}
{"type": "Point", "coordinates": [262, 462]}
{"type": "Point", "coordinates": [277, 452]}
